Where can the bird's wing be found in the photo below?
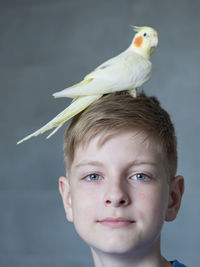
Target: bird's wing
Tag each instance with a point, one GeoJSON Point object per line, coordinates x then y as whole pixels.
{"type": "Point", "coordinates": [126, 71]}
{"type": "Point", "coordinates": [76, 107]}
{"type": "Point", "coordinates": [84, 86]}
{"type": "Point", "coordinates": [108, 63]}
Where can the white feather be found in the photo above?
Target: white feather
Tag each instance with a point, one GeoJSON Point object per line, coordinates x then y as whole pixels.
{"type": "Point", "coordinates": [76, 106]}
{"type": "Point", "coordinates": [128, 70]}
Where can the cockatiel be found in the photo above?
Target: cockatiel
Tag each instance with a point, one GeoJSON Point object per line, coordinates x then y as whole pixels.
{"type": "Point", "coordinates": [127, 71]}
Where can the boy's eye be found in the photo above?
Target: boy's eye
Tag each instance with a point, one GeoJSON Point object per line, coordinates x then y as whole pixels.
{"type": "Point", "coordinates": [93, 177]}
{"type": "Point", "coordinates": [140, 177]}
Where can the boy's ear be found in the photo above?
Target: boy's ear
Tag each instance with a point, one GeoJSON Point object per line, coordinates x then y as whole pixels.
{"type": "Point", "coordinates": [175, 196]}
{"type": "Point", "coordinates": [64, 189]}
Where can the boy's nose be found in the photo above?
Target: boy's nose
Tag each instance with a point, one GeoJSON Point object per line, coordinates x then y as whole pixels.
{"type": "Point", "coordinates": [116, 196]}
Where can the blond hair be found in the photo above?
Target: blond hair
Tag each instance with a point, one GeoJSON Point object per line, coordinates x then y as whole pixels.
{"type": "Point", "coordinates": [119, 111]}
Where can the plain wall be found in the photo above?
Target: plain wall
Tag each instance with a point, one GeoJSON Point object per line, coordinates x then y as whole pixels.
{"type": "Point", "coordinates": [46, 46]}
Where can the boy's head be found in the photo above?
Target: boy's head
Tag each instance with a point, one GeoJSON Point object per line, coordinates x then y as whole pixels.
{"type": "Point", "coordinates": [120, 111]}
{"type": "Point", "coordinates": [120, 155]}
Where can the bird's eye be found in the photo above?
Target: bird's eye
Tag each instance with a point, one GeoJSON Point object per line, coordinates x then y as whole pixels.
{"type": "Point", "coordinates": [145, 34]}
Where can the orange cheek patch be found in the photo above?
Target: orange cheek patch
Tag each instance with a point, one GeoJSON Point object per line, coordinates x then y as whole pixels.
{"type": "Point", "coordinates": [138, 41]}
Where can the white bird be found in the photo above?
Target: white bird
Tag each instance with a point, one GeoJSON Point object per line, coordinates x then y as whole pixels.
{"type": "Point", "coordinates": [127, 71]}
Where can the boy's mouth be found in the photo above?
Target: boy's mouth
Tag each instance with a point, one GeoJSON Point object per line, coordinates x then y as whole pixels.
{"type": "Point", "coordinates": [116, 222]}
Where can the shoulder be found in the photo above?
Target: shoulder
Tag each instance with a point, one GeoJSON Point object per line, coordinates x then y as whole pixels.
{"type": "Point", "coordinates": [177, 264]}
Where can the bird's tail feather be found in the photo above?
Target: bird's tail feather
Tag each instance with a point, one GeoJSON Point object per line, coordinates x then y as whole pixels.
{"type": "Point", "coordinates": [76, 107]}
{"type": "Point", "coordinates": [86, 88]}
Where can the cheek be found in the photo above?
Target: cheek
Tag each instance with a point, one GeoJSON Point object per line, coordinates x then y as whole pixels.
{"type": "Point", "coordinates": [153, 202]}
{"type": "Point", "coordinates": [83, 205]}
{"type": "Point", "coordinates": [84, 213]}
{"type": "Point", "coordinates": [150, 211]}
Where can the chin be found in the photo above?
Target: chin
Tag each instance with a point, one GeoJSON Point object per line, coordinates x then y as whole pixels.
{"type": "Point", "coordinates": [116, 247]}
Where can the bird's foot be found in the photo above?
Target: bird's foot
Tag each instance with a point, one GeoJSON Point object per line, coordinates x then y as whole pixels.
{"type": "Point", "coordinates": [133, 92]}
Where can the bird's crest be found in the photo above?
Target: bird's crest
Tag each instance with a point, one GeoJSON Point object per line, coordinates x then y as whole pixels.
{"type": "Point", "coordinates": [138, 28]}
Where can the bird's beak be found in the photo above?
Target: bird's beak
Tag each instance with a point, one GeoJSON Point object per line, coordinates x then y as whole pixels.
{"type": "Point", "coordinates": [154, 41]}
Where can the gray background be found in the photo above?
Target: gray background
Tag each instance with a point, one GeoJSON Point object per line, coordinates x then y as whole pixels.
{"type": "Point", "coordinates": [46, 46]}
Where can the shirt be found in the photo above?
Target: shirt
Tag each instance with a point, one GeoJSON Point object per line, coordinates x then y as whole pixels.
{"type": "Point", "coordinates": [177, 264]}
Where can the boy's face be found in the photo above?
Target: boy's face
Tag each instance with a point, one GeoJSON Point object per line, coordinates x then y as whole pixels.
{"type": "Point", "coordinates": [118, 194]}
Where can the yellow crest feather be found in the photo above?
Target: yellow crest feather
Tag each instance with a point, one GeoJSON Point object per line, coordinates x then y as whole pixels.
{"type": "Point", "coordinates": [136, 28]}
{"type": "Point", "coordinates": [139, 28]}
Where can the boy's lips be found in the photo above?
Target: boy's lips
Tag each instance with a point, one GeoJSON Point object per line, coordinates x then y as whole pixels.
{"type": "Point", "coordinates": [116, 222]}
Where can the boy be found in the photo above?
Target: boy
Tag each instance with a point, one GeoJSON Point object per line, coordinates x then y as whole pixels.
{"type": "Point", "coordinates": [121, 160]}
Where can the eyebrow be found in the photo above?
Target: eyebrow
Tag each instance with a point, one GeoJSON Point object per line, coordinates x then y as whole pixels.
{"type": "Point", "coordinates": [130, 164]}
{"type": "Point", "coordinates": [89, 163]}
{"type": "Point", "coordinates": [142, 162]}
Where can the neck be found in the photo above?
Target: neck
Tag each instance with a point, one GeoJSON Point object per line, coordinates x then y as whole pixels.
{"type": "Point", "coordinates": [152, 258]}
{"type": "Point", "coordinates": [140, 51]}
